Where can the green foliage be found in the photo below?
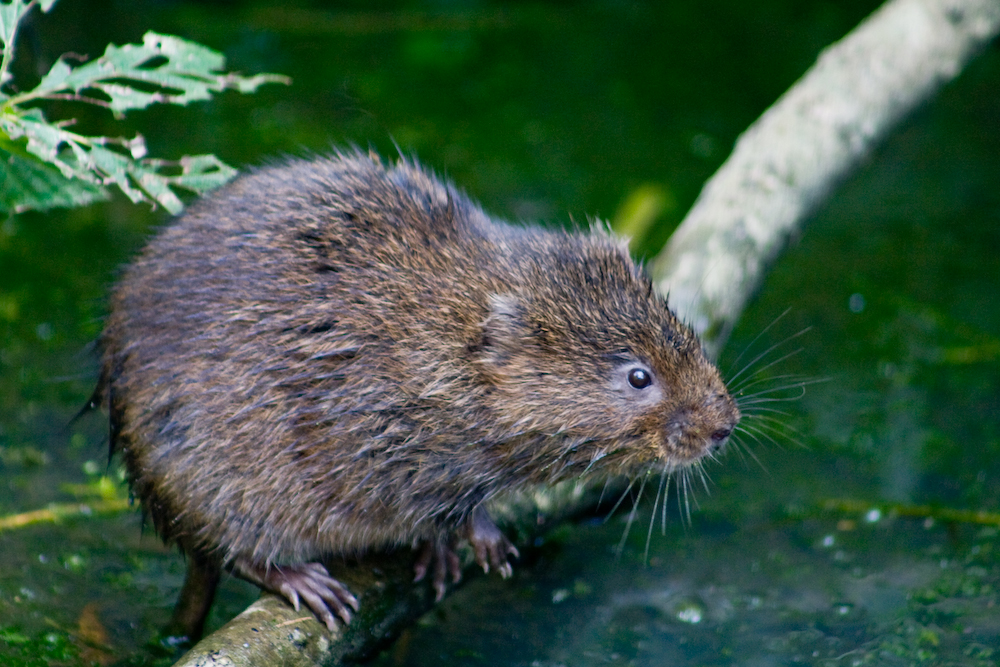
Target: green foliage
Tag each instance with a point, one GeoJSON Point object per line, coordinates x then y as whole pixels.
{"type": "Point", "coordinates": [45, 165]}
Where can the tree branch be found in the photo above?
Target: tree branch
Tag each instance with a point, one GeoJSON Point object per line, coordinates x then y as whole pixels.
{"type": "Point", "coordinates": [787, 163]}
{"type": "Point", "coordinates": [270, 633]}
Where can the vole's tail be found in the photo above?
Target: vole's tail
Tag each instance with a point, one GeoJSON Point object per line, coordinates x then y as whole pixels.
{"type": "Point", "coordinates": [95, 401]}
{"type": "Point", "coordinates": [103, 395]}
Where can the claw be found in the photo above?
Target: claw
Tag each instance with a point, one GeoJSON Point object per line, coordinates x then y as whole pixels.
{"type": "Point", "coordinates": [489, 544]}
{"type": "Point", "coordinates": [454, 566]}
{"type": "Point", "coordinates": [291, 594]}
{"type": "Point", "coordinates": [490, 547]}
{"type": "Point", "coordinates": [424, 560]}
{"type": "Point", "coordinates": [304, 582]}
{"type": "Point", "coordinates": [439, 556]}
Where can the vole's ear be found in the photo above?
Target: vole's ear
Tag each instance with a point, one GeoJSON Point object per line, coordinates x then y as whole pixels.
{"type": "Point", "coordinates": [504, 330]}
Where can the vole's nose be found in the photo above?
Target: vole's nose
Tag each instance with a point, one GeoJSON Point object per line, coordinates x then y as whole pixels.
{"type": "Point", "coordinates": [721, 435]}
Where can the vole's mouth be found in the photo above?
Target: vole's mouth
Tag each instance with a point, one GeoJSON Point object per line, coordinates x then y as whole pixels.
{"type": "Point", "coordinates": [719, 438]}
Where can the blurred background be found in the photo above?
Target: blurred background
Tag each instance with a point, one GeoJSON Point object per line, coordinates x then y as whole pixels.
{"type": "Point", "coordinates": [835, 543]}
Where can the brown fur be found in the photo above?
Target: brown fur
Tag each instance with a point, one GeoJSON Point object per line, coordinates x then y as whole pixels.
{"type": "Point", "coordinates": [333, 356]}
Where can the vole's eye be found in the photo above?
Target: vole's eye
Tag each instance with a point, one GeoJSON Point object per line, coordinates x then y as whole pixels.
{"type": "Point", "coordinates": [639, 378]}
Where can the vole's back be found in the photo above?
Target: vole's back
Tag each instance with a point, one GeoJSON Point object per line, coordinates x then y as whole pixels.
{"type": "Point", "coordinates": [334, 355]}
{"type": "Point", "coordinates": [259, 343]}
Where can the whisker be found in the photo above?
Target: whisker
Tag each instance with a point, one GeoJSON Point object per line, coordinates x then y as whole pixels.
{"type": "Point", "coordinates": [604, 488]}
{"type": "Point", "coordinates": [740, 446]}
{"type": "Point", "coordinates": [750, 378]}
{"type": "Point", "coordinates": [652, 518]}
{"type": "Point", "coordinates": [761, 422]}
{"type": "Point", "coordinates": [742, 430]}
{"type": "Point", "coordinates": [797, 380]}
{"type": "Point", "coordinates": [801, 383]}
{"type": "Point", "coordinates": [705, 478]}
{"type": "Point", "coordinates": [750, 398]}
{"type": "Point", "coordinates": [767, 352]}
{"type": "Point", "coordinates": [631, 517]}
{"type": "Point", "coordinates": [778, 399]}
{"type": "Point", "coordinates": [665, 483]}
{"type": "Point", "coordinates": [598, 455]}
{"type": "Point", "coordinates": [773, 428]}
{"type": "Point", "coordinates": [768, 432]}
{"type": "Point", "coordinates": [625, 493]}
{"type": "Point", "coordinates": [763, 417]}
{"type": "Point", "coordinates": [758, 412]}
{"type": "Point", "coordinates": [758, 337]}
{"type": "Point", "coordinates": [685, 484]}
{"type": "Point", "coordinates": [759, 396]}
{"type": "Point", "coordinates": [710, 456]}
{"type": "Point", "coordinates": [762, 425]}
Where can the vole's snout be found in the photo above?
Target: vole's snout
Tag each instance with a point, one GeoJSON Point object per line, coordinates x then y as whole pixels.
{"type": "Point", "coordinates": [702, 428]}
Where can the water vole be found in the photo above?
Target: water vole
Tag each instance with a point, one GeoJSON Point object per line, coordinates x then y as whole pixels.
{"type": "Point", "coordinates": [335, 355]}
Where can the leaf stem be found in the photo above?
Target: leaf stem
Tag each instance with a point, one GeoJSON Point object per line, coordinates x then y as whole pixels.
{"type": "Point", "coordinates": [72, 97]}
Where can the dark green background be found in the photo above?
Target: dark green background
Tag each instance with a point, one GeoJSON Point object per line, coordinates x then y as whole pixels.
{"type": "Point", "coordinates": [551, 112]}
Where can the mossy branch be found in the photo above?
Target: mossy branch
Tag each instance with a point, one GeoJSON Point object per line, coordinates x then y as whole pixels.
{"type": "Point", "coordinates": [271, 633]}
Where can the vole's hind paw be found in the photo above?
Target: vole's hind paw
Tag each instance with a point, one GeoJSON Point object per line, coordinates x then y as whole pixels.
{"type": "Point", "coordinates": [439, 554]}
{"type": "Point", "coordinates": [308, 582]}
{"type": "Point", "coordinates": [489, 544]}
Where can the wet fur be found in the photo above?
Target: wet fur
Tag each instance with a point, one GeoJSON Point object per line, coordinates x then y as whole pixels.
{"type": "Point", "coordinates": [336, 355]}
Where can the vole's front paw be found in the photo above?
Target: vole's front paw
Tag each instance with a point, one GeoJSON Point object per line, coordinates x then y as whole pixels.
{"type": "Point", "coordinates": [310, 582]}
{"type": "Point", "coordinates": [489, 544]}
{"type": "Point", "coordinates": [439, 554]}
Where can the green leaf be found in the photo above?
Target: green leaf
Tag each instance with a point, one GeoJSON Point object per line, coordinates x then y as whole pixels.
{"type": "Point", "coordinates": [201, 172]}
{"type": "Point", "coordinates": [56, 77]}
{"type": "Point", "coordinates": [162, 69]}
{"type": "Point", "coordinates": [10, 15]}
{"type": "Point", "coordinates": [89, 160]}
{"type": "Point", "coordinates": [26, 183]}
{"type": "Point", "coordinates": [159, 187]}
{"type": "Point", "coordinates": [114, 168]}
